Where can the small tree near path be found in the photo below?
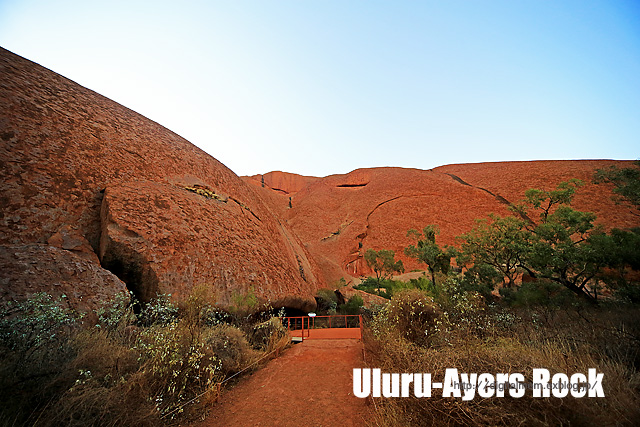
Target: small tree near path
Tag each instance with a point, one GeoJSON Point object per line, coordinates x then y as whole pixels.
{"type": "Point", "coordinates": [383, 263]}
{"type": "Point", "coordinates": [427, 251]}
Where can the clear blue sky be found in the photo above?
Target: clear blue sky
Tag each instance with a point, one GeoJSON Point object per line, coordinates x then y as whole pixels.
{"type": "Point", "coordinates": [321, 87]}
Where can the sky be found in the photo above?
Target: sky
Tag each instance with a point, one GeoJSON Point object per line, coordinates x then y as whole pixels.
{"type": "Point", "coordinates": [319, 87]}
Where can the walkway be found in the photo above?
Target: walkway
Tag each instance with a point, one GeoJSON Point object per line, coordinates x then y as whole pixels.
{"type": "Point", "coordinates": [310, 385]}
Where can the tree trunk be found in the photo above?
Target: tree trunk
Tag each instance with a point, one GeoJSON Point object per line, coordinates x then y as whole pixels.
{"type": "Point", "coordinates": [433, 277]}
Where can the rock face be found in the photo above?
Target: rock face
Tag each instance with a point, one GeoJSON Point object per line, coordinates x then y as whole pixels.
{"type": "Point", "coordinates": [28, 269]}
{"type": "Point", "coordinates": [87, 185]}
{"type": "Point", "coordinates": [283, 182]}
{"type": "Point", "coordinates": [154, 234]}
{"type": "Point", "coordinates": [341, 216]}
{"type": "Point", "coordinates": [65, 148]}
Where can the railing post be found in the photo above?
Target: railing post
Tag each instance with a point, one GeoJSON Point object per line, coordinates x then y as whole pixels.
{"type": "Point", "coordinates": [360, 321]}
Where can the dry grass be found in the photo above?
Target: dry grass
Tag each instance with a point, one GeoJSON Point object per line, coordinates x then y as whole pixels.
{"type": "Point", "coordinates": [565, 342]}
{"type": "Point", "coordinates": [127, 372]}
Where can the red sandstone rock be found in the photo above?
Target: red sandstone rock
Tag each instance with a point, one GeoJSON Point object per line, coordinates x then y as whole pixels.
{"type": "Point", "coordinates": [341, 216]}
{"type": "Point", "coordinates": [174, 217]}
{"type": "Point", "coordinates": [284, 182]}
{"type": "Point", "coordinates": [62, 145]}
{"type": "Point", "coordinates": [28, 269]}
{"type": "Point", "coordinates": [163, 238]}
{"type": "Point", "coordinates": [72, 239]}
{"type": "Point", "coordinates": [512, 179]}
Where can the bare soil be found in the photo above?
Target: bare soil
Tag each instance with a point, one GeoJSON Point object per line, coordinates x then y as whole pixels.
{"type": "Point", "coordinates": [310, 385]}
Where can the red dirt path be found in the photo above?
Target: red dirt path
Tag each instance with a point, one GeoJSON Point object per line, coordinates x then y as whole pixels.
{"type": "Point", "coordinates": [309, 385]}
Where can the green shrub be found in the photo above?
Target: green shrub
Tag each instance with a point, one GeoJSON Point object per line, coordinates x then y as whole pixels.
{"type": "Point", "coordinates": [327, 301]}
{"type": "Point", "coordinates": [39, 322]}
{"type": "Point", "coordinates": [481, 278]}
{"type": "Point", "coordinates": [116, 313]}
{"type": "Point", "coordinates": [352, 306]}
{"type": "Point", "coordinates": [267, 334]}
{"type": "Point", "coordinates": [244, 303]}
{"type": "Point", "coordinates": [159, 311]}
{"type": "Point", "coordinates": [177, 362]}
{"type": "Point", "coordinates": [35, 336]}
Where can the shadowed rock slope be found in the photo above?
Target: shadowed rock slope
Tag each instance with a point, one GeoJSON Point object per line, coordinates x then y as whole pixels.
{"type": "Point", "coordinates": [91, 177]}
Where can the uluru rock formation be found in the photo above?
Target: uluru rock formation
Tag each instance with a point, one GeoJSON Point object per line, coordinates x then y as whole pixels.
{"type": "Point", "coordinates": [99, 198]}
{"type": "Point", "coordinates": [32, 268]}
{"type": "Point", "coordinates": [339, 217]}
{"type": "Point", "coordinates": [85, 174]}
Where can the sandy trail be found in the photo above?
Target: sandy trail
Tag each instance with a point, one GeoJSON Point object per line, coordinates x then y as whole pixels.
{"type": "Point", "coordinates": [309, 385]}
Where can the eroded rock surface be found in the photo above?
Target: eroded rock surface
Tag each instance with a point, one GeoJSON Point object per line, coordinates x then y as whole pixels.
{"type": "Point", "coordinates": [165, 238]}
{"type": "Point", "coordinates": [33, 268]}
{"type": "Point", "coordinates": [63, 147]}
{"type": "Point", "coordinates": [339, 217]}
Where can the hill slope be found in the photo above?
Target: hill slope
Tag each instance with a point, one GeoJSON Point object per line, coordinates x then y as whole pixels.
{"type": "Point", "coordinates": [88, 175]}
{"type": "Point", "coordinates": [341, 216]}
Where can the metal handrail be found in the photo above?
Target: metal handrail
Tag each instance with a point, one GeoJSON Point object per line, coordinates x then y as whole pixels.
{"type": "Point", "coordinates": [310, 324]}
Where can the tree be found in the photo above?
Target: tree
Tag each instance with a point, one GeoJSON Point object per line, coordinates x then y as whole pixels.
{"type": "Point", "coordinates": [626, 181]}
{"type": "Point", "coordinates": [543, 202]}
{"type": "Point", "coordinates": [563, 241]}
{"type": "Point", "coordinates": [620, 252]}
{"type": "Point", "coordinates": [550, 240]}
{"type": "Point", "coordinates": [427, 251]}
{"type": "Point", "coordinates": [501, 244]}
{"type": "Point", "coordinates": [383, 263]}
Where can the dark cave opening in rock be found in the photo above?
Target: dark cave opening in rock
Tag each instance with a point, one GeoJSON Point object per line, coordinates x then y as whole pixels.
{"type": "Point", "coordinates": [129, 266]}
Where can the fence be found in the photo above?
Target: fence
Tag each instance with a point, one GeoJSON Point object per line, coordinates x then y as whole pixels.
{"type": "Point", "coordinates": [324, 327]}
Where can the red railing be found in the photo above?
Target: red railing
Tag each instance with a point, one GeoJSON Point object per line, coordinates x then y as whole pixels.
{"type": "Point", "coordinates": [305, 324]}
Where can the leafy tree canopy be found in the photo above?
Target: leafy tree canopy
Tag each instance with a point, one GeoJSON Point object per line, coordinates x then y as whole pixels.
{"type": "Point", "coordinates": [626, 181]}
{"type": "Point", "coordinates": [383, 263]}
{"type": "Point", "coordinates": [427, 251]}
{"type": "Point", "coordinates": [550, 241]}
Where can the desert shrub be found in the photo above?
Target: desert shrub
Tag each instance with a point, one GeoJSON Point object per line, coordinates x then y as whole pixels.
{"type": "Point", "coordinates": [244, 304]}
{"type": "Point", "coordinates": [567, 340]}
{"type": "Point", "coordinates": [34, 348]}
{"type": "Point", "coordinates": [37, 322]}
{"type": "Point", "coordinates": [481, 278]}
{"type": "Point", "coordinates": [327, 301]}
{"type": "Point", "coordinates": [217, 316]}
{"type": "Point", "coordinates": [108, 387]}
{"type": "Point", "coordinates": [117, 313]}
{"type": "Point", "coordinates": [121, 369]}
{"type": "Point", "coordinates": [177, 362]}
{"type": "Point", "coordinates": [352, 306]}
{"type": "Point", "coordinates": [230, 346]}
{"type": "Point", "coordinates": [411, 314]}
{"type": "Point", "coordinates": [267, 335]}
{"type": "Point", "coordinates": [627, 292]}
{"type": "Point", "coordinates": [386, 288]}
{"type": "Point", "coordinates": [198, 308]}
{"type": "Point", "coordinates": [421, 283]}
{"type": "Point", "coordinates": [539, 293]}
{"type": "Point", "coordinates": [159, 311]}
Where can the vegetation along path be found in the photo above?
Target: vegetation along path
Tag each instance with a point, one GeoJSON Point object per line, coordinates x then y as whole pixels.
{"type": "Point", "coordinates": [309, 385]}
